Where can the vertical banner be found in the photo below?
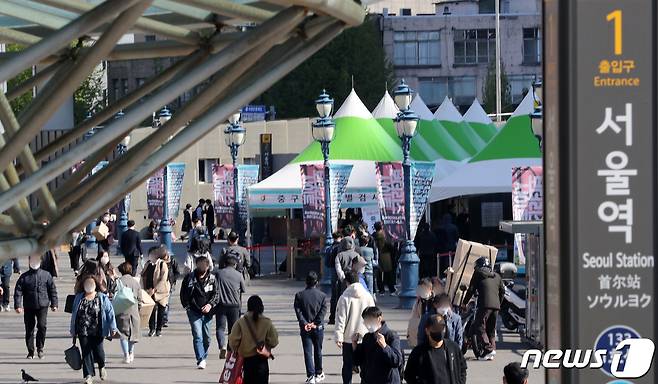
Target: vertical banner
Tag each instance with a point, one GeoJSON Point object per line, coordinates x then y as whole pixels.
{"type": "Point", "coordinates": [313, 199]}
{"type": "Point", "coordinates": [527, 203]}
{"type": "Point", "coordinates": [247, 176]}
{"type": "Point", "coordinates": [175, 174]}
{"type": "Point", "coordinates": [266, 165]}
{"type": "Point", "coordinates": [422, 174]}
{"type": "Point", "coordinates": [155, 195]}
{"type": "Point", "coordinates": [339, 175]}
{"type": "Point", "coordinates": [390, 187]}
{"type": "Point", "coordinates": [222, 182]}
{"type": "Point", "coordinates": [371, 214]}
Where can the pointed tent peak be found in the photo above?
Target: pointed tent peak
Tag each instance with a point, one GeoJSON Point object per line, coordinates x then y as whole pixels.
{"type": "Point", "coordinates": [386, 109]}
{"type": "Point", "coordinates": [353, 107]}
{"type": "Point", "coordinates": [420, 108]}
{"type": "Point", "coordinates": [476, 114]}
{"type": "Point", "coordinates": [447, 111]}
{"type": "Point", "coordinates": [527, 105]}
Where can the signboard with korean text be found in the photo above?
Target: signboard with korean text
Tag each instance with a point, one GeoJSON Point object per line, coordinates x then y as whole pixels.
{"type": "Point", "coordinates": [527, 203]}
{"type": "Point", "coordinates": [247, 176]}
{"type": "Point", "coordinates": [612, 199]}
{"type": "Point", "coordinates": [266, 160]}
{"type": "Point", "coordinates": [222, 182]}
{"type": "Point", "coordinates": [155, 195]}
{"type": "Point", "coordinates": [253, 113]}
{"type": "Point", "coordinates": [313, 199]}
{"type": "Point", "coordinates": [339, 175]}
{"type": "Point", "coordinates": [390, 184]}
{"type": "Point", "coordinates": [422, 174]}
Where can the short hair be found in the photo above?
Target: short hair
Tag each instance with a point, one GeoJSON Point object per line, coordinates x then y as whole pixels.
{"type": "Point", "coordinates": [188, 206]}
{"type": "Point", "coordinates": [233, 237]}
{"type": "Point", "coordinates": [311, 279]}
{"type": "Point", "coordinates": [231, 261]}
{"type": "Point", "coordinates": [441, 298]}
{"type": "Point", "coordinates": [125, 268]}
{"type": "Point", "coordinates": [371, 312]}
{"type": "Point", "coordinates": [434, 320]}
{"type": "Point", "coordinates": [348, 230]}
{"type": "Point", "coordinates": [515, 374]}
{"type": "Point", "coordinates": [425, 281]}
{"type": "Point", "coordinates": [131, 223]}
{"type": "Point", "coordinates": [208, 201]}
{"type": "Point", "coordinates": [336, 235]}
{"type": "Point", "coordinates": [378, 226]}
{"type": "Point", "coordinates": [202, 259]}
{"type": "Point", "coordinates": [351, 277]}
{"type": "Point", "coordinates": [201, 201]}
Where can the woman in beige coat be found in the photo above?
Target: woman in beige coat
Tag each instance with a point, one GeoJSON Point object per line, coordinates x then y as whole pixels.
{"type": "Point", "coordinates": [128, 321]}
{"type": "Point", "coordinates": [156, 284]}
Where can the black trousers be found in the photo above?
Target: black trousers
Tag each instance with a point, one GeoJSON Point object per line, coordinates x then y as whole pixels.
{"type": "Point", "coordinates": [256, 370]}
{"type": "Point", "coordinates": [225, 317]}
{"type": "Point", "coordinates": [484, 331]}
{"type": "Point", "coordinates": [5, 289]}
{"type": "Point", "coordinates": [427, 267]}
{"type": "Point", "coordinates": [157, 316]}
{"type": "Point", "coordinates": [337, 289]}
{"type": "Point", "coordinates": [348, 363]}
{"type": "Point", "coordinates": [35, 317]}
{"type": "Point", "coordinates": [92, 353]}
{"type": "Point", "coordinates": [385, 279]}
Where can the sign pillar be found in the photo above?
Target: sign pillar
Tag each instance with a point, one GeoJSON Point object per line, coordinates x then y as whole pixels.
{"type": "Point", "coordinates": [600, 182]}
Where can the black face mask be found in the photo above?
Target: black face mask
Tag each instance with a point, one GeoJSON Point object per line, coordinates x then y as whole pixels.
{"type": "Point", "coordinates": [437, 336]}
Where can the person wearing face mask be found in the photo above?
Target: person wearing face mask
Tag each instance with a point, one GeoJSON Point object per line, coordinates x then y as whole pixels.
{"type": "Point", "coordinates": [437, 361]}
{"type": "Point", "coordinates": [199, 294]}
{"type": "Point", "coordinates": [34, 292]}
{"type": "Point", "coordinates": [109, 240]}
{"type": "Point", "coordinates": [92, 320]}
{"type": "Point", "coordinates": [379, 355]}
{"type": "Point", "coordinates": [441, 305]}
{"type": "Point", "coordinates": [108, 281]}
{"type": "Point", "coordinates": [423, 304]}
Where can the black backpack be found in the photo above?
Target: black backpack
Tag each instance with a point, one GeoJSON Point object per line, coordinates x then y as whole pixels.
{"type": "Point", "coordinates": [200, 244]}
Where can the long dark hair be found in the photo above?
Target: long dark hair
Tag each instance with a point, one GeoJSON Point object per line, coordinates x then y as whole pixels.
{"type": "Point", "coordinates": [255, 306]}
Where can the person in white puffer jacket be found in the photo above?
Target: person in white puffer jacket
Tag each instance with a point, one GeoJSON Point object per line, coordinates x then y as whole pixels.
{"type": "Point", "coordinates": [349, 323]}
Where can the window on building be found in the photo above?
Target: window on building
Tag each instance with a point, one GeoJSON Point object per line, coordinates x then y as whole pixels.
{"type": "Point", "coordinates": [417, 48]}
{"type": "Point", "coordinates": [461, 89]}
{"type": "Point", "coordinates": [149, 38]}
{"type": "Point", "coordinates": [487, 6]}
{"type": "Point", "coordinates": [205, 170]}
{"type": "Point", "coordinates": [115, 89]}
{"type": "Point", "coordinates": [140, 81]}
{"type": "Point", "coordinates": [519, 86]}
{"type": "Point", "coordinates": [531, 46]}
{"type": "Point", "coordinates": [124, 87]}
{"type": "Point", "coordinates": [475, 46]}
{"type": "Point", "coordinates": [405, 11]}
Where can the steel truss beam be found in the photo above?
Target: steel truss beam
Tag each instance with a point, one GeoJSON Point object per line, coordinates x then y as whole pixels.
{"type": "Point", "coordinates": [185, 10]}
{"type": "Point", "coordinates": [350, 12]}
{"type": "Point", "coordinates": [175, 32]}
{"type": "Point", "coordinates": [18, 37]}
{"type": "Point", "coordinates": [247, 88]}
{"type": "Point", "coordinates": [231, 9]}
{"type": "Point", "coordinates": [32, 15]}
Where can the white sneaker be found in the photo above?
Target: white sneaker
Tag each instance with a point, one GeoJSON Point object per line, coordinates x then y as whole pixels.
{"type": "Point", "coordinates": [126, 359]}
{"type": "Point", "coordinates": [310, 380]}
{"type": "Point", "coordinates": [88, 380]}
{"type": "Point", "coordinates": [201, 365]}
{"type": "Point", "coordinates": [488, 357]}
{"type": "Point", "coordinates": [319, 378]}
{"type": "Point", "coordinates": [103, 373]}
{"type": "Point", "coordinates": [132, 356]}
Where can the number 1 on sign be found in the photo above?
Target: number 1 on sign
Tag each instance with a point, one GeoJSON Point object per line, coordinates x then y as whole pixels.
{"type": "Point", "coordinates": [616, 16]}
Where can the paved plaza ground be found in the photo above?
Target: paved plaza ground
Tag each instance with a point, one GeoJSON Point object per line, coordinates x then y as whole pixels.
{"type": "Point", "coordinates": [170, 358]}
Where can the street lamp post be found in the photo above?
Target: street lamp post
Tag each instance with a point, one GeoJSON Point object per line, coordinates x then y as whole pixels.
{"type": "Point", "coordinates": [165, 222]}
{"type": "Point", "coordinates": [405, 124]}
{"type": "Point", "coordinates": [234, 136]}
{"type": "Point", "coordinates": [91, 240]}
{"type": "Point", "coordinates": [537, 115]}
{"type": "Point", "coordinates": [123, 214]}
{"type": "Point", "coordinates": [323, 132]}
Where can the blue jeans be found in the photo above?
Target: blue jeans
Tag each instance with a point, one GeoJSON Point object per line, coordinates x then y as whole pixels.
{"type": "Point", "coordinates": [200, 333]}
{"type": "Point", "coordinates": [368, 277]}
{"type": "Point", "coordinates": [312, 345]}
{"type": "Point", "coordinates": [224, 315]}
{"type": "Point", "coordinates": [127, 346]}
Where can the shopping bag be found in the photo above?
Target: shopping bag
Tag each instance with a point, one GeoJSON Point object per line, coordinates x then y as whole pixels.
{"type": "Point", "coordinates": [101, 231]}
{"type": "Point", "coordinates": [73, 357]}
{"type": "Point", "coordinates": [123, 299]}
{"type": "Point", "coordinates": [147, 309]}
{"type": "Point", "coordinates": [232, 372]}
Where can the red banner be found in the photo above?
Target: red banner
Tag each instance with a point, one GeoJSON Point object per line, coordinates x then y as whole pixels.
{"type": "Point", "coordinates": [390, 186]}
{"type": "Point", "coordinates": [222, 180]}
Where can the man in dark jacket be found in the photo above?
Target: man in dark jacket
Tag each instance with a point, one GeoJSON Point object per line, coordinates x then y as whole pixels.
{"type": "Point", "coordinates": [439, 360]}
{"type": "Point", "coordinates": [237, 252]}
{"type": "Point", "coordinates": [210, 219]}
{"type": "Point", "coordinates": [231, 287]}
{"type": "Point", "coordinates": [310, 308]}
{"type": "Point", "coordinates": [186, 227]}
{"type": "Point", "coordinates": [427, 246]}
{"type": "Point", "coordinates": [490, 291]}
{"type": "Point", "coordinates": [35, 291]}
{"type": "Point", "coordinates": [131, 246]}
{"type": "Point", "coordinates": [379, 354]}
{"type": "Point", "coordinates": [199, 211]}
{"type": "Point", "coordinates": [199, 293]}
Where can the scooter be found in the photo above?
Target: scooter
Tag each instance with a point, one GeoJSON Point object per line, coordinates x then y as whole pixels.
{"type": "Point", "coordinates": [513, 306]}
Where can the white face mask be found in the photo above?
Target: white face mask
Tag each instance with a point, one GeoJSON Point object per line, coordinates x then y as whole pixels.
{"type": "Point", "coordinates": [443, 311]}
{"type": "Point", "coordinates": [90, 287]}
{"type": "Point", "coordinates": [35, 264]}
{"type": "Point", "coordinates": [372, 327]}
{"type": "Point", "coordinates": [105, 259]}
{"type": "Point", "coordinates": [423, 294]}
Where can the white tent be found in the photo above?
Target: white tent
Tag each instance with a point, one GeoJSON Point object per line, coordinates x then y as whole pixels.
{"type": "Point", "coordinates": [526, 106]}
{"type": "Point", "coordinates": [476, 114]}
{"type": "Point", "coordinates": [386, 108]}
{"type": "Point", "coordinates": [447, 111]}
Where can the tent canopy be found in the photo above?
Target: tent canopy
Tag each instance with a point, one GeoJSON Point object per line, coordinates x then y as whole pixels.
{"type": "Point", "coordinates": [477, 118]}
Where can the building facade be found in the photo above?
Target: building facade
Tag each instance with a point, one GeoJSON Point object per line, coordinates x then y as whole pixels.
{"type": "Point", "coordinates": [448, 52]}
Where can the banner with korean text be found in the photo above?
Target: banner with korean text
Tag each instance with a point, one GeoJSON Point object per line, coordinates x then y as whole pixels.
{"type": "Point", "coordinates": [247, 176]}
{"type": "Point", "coordinates": [422, 174]}
{"type": "Point", "coordinates": [527, 203]}
{"type": "Point", "coordinates": [390, 187]}
{"type": "Point", "coordinates": [175, 175]}
{"type": "Point", "coordinates": [339, 175]}
{"type": "Point", "coordinates": [313, 199]}
{"type": "Point", "coordinates": [155, 195]}
{"type": "Point", "coordinates": [222, 183]}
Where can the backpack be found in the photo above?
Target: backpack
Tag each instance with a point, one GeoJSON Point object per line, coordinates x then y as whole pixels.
{"type": "Point", "coordinates": [200, 244]}
{"type": "Point", "coordinates": [123, 299]}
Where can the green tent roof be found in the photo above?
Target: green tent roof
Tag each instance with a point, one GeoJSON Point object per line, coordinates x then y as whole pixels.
{"type": "Point", "coordinates": [355, 139]}
{"type": "Point", "coordinates": [435, 134]}
{"type": "Point", "coordinates": [465, 135]}
{"type": "Point", "coordinates": [485, 131]}
{"type": "Point", "coordinates": [515, 140]}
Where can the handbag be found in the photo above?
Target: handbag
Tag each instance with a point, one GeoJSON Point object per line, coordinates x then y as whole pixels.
{"type": "Point", "coordinates": [68, 306]}
{"type": "Point", "coordinates": [73, 357]}
{"type": "Point", "coordinates": [232, 372]}
{"type": "Point", "coordinates": [101, 232]}
{"type": "Point", "coordinates": [261, 349]}
{"type": "Point", "coordinates": [123, 299]}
